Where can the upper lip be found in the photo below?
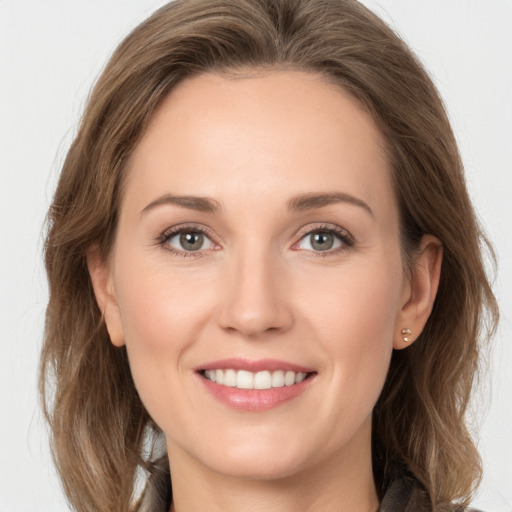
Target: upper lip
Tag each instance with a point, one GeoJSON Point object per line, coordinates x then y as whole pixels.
{"type": "Point", "coordinates": [259, 365]}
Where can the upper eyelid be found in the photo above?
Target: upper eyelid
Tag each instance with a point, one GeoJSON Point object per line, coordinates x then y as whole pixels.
{"type": "Point", "coordinates": [338, 230]}
{"type": "Point", "coordinates": [180, 228]}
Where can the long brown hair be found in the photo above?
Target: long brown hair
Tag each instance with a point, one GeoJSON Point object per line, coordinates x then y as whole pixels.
{"type": "Point", "coordinates": [99, 427]}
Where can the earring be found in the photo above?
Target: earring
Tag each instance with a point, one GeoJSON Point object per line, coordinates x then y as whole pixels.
{"type": "Point", "coordinates": [406, 333]}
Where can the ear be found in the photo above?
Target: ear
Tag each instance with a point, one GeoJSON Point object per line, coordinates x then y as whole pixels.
{"type": "Point", "coordinates": [418, 297]}
{"type": "Point", "coordinates": [102, 283]}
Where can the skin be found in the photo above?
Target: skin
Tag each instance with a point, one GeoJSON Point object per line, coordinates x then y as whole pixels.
{"type": "Point", "coordinates": [258, 289]}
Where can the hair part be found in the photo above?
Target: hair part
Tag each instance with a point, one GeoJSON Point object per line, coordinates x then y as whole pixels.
{"type": "Point", "coordinates": [98, 423]}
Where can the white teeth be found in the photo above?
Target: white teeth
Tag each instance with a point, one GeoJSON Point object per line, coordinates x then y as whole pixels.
{"type": "Point", "coordinates": [278, 379]}
{"type": "Point", "coordinates": [262, 380]}
{"type": "Point", "coordinates": [300, 377]}
{"type": "Point", "coordinates": [289, 378]}
{"type": "Point", "coordinates": [242, 379]}
{"type": "Point", "coordinates": [229, 378]}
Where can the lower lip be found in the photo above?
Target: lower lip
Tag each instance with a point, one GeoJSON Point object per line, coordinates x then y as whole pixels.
{"type": "Point", "coordinates": [255, 399]}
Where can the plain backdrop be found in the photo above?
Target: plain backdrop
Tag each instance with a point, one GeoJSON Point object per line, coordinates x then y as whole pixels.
{"type": "Point", "coordinates": [50, 54]}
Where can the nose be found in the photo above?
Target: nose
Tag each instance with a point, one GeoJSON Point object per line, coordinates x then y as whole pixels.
{"type": "Point", "coordinates": [255, 297]}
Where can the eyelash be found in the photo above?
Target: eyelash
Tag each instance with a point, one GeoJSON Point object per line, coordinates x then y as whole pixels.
{"type": "Point", "coordinates": [346, 239]}
{"type": "Point", "coordinates": [164, 238]}
{"type": "Point", "coordinates": [342, 235]}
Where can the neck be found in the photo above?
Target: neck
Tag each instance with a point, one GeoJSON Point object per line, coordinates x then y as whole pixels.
{"type": "Point", "coordinates": [343, 483]}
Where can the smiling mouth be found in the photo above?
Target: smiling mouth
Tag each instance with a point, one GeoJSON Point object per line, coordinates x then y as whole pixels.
{"type": "Point", "coordinates": [243, 379]}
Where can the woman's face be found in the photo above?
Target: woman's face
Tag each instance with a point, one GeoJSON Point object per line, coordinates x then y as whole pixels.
{"type": "Point", "coordinates": [258, 246]}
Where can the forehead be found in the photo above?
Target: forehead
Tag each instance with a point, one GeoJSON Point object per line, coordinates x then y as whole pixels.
{"type": "Point", "coordinates": [258, 133]}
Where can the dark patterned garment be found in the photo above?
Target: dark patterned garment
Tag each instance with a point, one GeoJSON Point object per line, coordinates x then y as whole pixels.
{"type": "Point", "coordinates": [403, 495]}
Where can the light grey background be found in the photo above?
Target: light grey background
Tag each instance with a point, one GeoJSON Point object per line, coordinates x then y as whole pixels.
{"type": "Point", "coordinates": [50, 53]}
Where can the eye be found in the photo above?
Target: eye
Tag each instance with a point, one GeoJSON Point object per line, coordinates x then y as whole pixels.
{"type": "Point", "coordinates": [320, 241]}
{"type": "Point", "coordinates": [188, 241]}
{"type": "Point", "coordinates": [324, 240]}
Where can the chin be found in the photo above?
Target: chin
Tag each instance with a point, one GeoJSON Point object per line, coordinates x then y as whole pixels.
{"type": "Point", "coordinates": [271, 467]}
{"type": "Point", "coordinates": [263, 457]}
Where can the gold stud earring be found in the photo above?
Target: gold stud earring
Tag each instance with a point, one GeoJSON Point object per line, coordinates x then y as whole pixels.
{"type": "Point", "coordinates": [406, 333]}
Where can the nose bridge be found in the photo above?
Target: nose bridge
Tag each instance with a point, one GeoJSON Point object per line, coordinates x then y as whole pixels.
{"type": "Point", "coordinates": [255, 296]}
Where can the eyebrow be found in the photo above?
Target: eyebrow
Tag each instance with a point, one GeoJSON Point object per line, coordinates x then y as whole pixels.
{"type": "Point", "coordinates": [311, 201]}
{"type": "Point", "coordinates": [201, 204]}
{"type": "Point", "coordinates": [301, 202]}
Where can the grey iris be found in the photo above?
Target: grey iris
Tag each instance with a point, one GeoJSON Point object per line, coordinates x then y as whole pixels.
{"type": "Point", "coordinates": [191, 241]}
{"type": "Point", "coordinates": [322, 241]}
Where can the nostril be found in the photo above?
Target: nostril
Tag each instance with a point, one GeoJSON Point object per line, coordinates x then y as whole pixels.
{"type": "Point", "coordinates": [253, 300]}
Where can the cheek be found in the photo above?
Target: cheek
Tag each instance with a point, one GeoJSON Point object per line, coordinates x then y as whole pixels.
{"type": "Point", "coordinates": [358, 305]}
{"type": "Point", "coordinates": [162, 315]}
{"type": "Point", "coordinates": [354, 319]}
{"type": "Point", "coordinates": [161, 308]}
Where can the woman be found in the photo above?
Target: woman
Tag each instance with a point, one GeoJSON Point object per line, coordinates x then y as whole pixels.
{"type": "Point", "coordinates": [262, 251]}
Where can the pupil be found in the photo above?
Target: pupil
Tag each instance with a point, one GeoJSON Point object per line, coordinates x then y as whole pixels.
{"type": "Point", "coordinates": [322, 241]}
{"type": "Point", "coordinates": [191, 241]}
